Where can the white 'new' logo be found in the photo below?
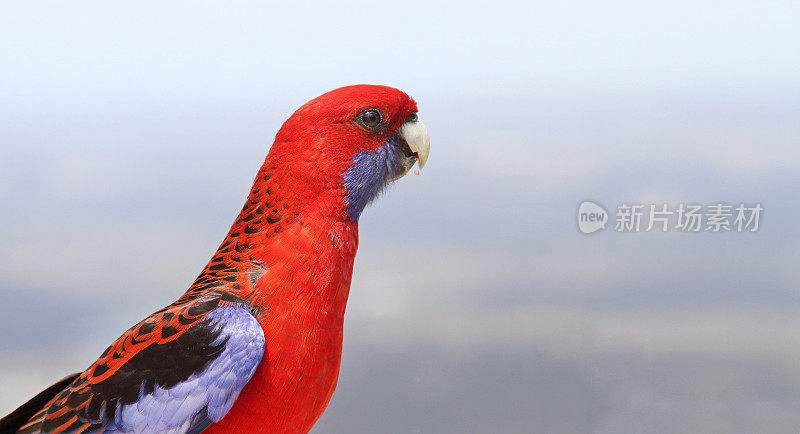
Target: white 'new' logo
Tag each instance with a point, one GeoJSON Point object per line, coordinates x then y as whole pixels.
{"type": "Point", "coordinates": [591, 217]}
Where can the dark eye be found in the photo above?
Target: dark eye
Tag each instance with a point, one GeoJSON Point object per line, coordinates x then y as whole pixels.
{"type": "Point", "coordinates": [370, 119]}
{"type": "Point", "coordinates": [412, 117]}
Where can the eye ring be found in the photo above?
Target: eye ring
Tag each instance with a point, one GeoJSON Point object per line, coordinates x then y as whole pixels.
{"type": "Point", "coordinates": [370, 119]}
{"type": "Point", "coordinates": [413, 117]}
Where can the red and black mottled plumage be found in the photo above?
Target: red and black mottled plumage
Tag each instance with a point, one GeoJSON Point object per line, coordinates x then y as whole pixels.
{"type": "Point", "coordinates": [147, 354]}
{"type": "Point", "coordinates": [254, 344]}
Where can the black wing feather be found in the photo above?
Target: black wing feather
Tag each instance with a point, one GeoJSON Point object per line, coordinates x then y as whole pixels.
{"type": "Point", "coordinates": [13, 421]}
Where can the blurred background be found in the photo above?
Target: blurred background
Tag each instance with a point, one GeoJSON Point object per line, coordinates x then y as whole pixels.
{"type": "Point", "coordinates": [130, 134]}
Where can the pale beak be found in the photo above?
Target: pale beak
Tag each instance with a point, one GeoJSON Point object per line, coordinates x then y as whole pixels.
{"type": "Point", "coordinates": [416, 136]}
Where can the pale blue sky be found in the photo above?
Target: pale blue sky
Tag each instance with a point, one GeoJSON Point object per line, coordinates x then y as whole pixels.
{"type": "Point", "coordinates": [129, 136]}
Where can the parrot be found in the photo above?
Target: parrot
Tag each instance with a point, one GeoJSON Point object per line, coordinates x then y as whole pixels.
{"type": "Point", "coordinates": [254, 344]}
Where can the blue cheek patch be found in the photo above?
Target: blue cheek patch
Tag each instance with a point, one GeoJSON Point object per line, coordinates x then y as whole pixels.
{"type": "Point", "coordinates": [369, 174]}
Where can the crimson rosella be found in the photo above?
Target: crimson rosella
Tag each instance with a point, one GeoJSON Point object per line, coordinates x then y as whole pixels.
{"type": "Point", "coordinates": [254, 344]}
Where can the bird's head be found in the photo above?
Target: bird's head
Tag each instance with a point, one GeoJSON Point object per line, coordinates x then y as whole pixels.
{"type": "Point", "coordinates": [348, 144]}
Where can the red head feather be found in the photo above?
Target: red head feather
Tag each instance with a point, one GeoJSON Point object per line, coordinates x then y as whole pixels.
{"type": "Point", "coordinates": [316, 145]}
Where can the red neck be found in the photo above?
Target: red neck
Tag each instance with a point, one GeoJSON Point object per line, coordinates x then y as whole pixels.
{"type": "Point", "coordinates": [290, 254]}
{"type": "Point", "coordinates": [282, 216]}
